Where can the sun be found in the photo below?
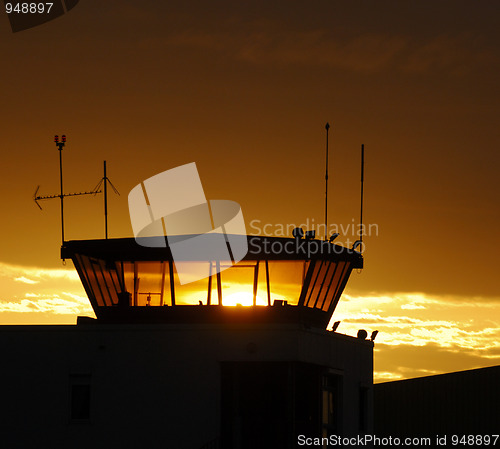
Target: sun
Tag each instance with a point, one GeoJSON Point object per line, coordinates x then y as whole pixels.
{"type": "Point", "coordinates": [242, 299]}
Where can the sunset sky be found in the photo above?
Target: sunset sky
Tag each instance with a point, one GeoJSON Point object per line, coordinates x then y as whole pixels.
{"type": "Point", "coordinates": [244, 89]}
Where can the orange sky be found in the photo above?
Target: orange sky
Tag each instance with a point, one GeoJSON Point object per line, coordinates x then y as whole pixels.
{"type": "Point", "coordinates": [244, 90]}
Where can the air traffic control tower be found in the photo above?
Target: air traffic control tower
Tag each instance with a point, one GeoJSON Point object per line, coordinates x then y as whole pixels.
{"type": "Point", "coordinates": [241, 359]}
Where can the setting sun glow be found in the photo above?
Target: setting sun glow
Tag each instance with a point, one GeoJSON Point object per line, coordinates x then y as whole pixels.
{"type": "Point", "coordinates": [242, 299]}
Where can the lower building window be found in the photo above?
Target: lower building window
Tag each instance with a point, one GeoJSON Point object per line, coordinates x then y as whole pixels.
{"type": "Point", "coordinates": [79, 398]}
{"type": "Point", "coordinates": [331, 404]}
{"type": "Point", "coordinates": [363, 409]}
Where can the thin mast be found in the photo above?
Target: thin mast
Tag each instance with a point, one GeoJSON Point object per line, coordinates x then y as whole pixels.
{"type": "Point", "coordinates": [362, 185]}
{"type": "Point", "coordinates": [60, 146]}
{"type": "Point", "coordinates": [106, 181]}
{"type": "Point", "coordinates": [327, 127]}
{"type": "Point", "coordinates": [105, 201]}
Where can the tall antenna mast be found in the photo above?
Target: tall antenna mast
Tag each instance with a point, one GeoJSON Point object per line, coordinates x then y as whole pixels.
{"type": "Point", "coordinates": [362, 184]}
{"type": "Point", "coordinates": [60, 146]}
{"type": "Point", "coordinates": [327, 127]}
{"type": "Point", "coordinates": [106, 180]}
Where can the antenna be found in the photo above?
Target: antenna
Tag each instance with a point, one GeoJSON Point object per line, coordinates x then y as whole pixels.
{"type": "Point", "coordinates": [327, 127]}
{"type": "Point", "coordinates": [362, 185]}
{"type": "Point", "coordinates": [105, 180]}
{"type": "Point", "coordinates": [60, 146]}
{"type": "Point", "coordinates": [61, 195]}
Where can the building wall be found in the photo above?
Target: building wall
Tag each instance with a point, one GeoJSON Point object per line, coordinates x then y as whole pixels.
{"type": "Point", "coordinates": [461, 403]}
{"type": "Point", "coordinates": [153, 386]}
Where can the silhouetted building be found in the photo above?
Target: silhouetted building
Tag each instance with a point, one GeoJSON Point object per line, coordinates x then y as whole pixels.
{"type": "Point", "coordinates": [240, 359]}
{"type": "Point", "coordinates": [462, 403]}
